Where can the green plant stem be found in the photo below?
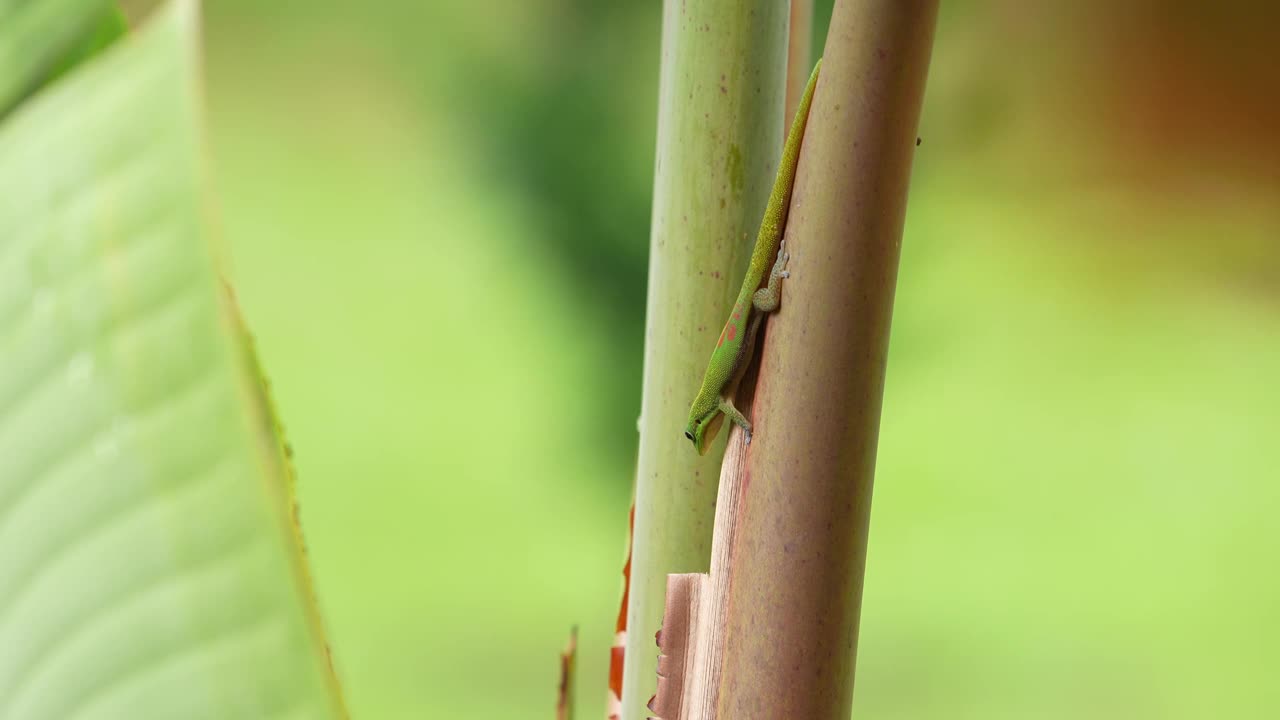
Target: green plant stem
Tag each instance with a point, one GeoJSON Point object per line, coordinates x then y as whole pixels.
{"type": "Point", "coordinates": [720, 127]}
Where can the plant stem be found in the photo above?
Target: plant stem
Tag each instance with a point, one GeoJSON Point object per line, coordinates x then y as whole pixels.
{"type": "Point", "coordinates": [799, 54]}
{"type": "Point", "coordinates": [796, 571]}
{"type": "Point", "coordinates": [720, 124]}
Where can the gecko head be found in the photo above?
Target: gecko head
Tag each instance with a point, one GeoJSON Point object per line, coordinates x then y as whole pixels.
{"type": "Point", "coordinates": [702, 430]}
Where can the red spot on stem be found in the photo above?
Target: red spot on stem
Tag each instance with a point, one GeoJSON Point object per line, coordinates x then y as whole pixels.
{"type": "Point", "coordinates": [615, 670]}
{"type": "Point", "coordinates": [616, 653]}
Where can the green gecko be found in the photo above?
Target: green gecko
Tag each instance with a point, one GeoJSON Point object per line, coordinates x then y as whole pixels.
{"type": "Point", "coordinates": [733, 350]}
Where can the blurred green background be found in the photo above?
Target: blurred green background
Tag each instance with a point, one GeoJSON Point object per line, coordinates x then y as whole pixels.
{"type": "Point", "coordinates": [437, 217]}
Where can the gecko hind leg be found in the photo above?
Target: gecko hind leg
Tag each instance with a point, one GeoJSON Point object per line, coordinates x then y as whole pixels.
{"type": "Point", "coordinates": [766, 299]}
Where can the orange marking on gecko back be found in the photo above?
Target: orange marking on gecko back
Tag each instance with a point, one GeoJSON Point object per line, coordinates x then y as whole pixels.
{"type": "Point", "coordinates": [730, 330]}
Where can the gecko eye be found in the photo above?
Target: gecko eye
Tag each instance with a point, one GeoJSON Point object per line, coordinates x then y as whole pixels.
{"type": "Point", "coordinates": [688, 434]}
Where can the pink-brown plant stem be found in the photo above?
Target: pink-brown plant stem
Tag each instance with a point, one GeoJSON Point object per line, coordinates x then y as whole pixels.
{"type": "Point", "coordinates": [799, 54]}
{"type": "Point", "coordinates": [796, 571]}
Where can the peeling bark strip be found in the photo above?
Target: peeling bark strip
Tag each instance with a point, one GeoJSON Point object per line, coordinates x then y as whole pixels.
{"type": "Point", "coordinates": [692, 638]}
{"type": "Point", "coordinates": [568, 658]}
{"type": "Point", "coordinates": [676, 644]}
{"type": "Point", "coordinates": [617, 653]}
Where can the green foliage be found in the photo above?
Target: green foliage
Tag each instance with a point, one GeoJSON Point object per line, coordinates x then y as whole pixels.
{"type": "Point", "coordinates": [36, 37]}
{"type": "Point", "coordinates": [1074, 481]}
{"type": "Point", "coordinates": [149, 569]}
{"type": "Point", "coordinates": [106, 31]}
